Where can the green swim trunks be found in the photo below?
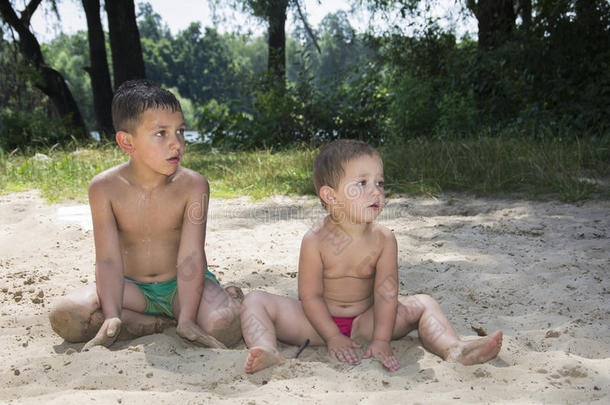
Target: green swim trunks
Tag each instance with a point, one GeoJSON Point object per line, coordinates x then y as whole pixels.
{"type": "Point", "coordinates": [160, 296]}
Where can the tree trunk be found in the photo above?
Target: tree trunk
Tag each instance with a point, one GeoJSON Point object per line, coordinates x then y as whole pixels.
{"type": "Point", "coordinates": [496, 20]}
{"type": "Point", "coordinates": [98, 71]}
{"type": "Point", "coordinates": [276, 17]}
{"type": "Point", "coordinates": [127, 61]}
{"type": "Point", "coordinates": [526, 13]}
{"type": "Point", "coordinates": [50, 81]}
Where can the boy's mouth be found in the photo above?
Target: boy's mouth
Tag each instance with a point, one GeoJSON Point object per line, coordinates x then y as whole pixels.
{"type": "Point", "coordinates": [174, 160]}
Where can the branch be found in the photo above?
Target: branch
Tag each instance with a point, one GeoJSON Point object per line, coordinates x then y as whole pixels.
{"type": "Point", "coordinates": [26, 14]}
{"type": "Point", "coordinates": [307, 27]}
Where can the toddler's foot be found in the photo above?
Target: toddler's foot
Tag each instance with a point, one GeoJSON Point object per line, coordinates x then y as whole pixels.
{"type": "Point", "coordinates": [477, 351]}
{"type": "Point", "coordinates": [261, 358]}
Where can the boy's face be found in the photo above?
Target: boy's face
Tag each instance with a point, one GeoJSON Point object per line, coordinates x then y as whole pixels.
{"type": "Point", "coordinates": [360, 196]}
{"type": "Point", "coordinates": [158, 140]}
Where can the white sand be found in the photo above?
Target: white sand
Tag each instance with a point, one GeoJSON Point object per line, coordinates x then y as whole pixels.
{"type": "Point", "coordinates": [538, 271]}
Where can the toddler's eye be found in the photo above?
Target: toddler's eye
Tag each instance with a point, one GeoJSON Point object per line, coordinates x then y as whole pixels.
{"type": "Point", "coordinates": [362, 183]}
{"type": "Point", "coordinates": [380, 184]}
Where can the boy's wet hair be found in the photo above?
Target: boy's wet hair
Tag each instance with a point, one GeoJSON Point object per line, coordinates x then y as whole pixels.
{"type": "Point", "coordinates": [328, 168]}
{"type": "Point", "coordinates": [133, 97]}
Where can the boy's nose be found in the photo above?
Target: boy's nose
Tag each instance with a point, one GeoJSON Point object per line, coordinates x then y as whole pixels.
{"type": "Point", "coordinates": [174, 142]}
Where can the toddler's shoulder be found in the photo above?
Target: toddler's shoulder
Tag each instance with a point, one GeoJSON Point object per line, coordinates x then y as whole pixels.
{"type": "Point", "coordinates": [383, 231]}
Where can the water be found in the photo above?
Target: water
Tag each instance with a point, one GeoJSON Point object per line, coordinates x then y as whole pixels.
{"type": "Point", "coordinates": [189, 136]}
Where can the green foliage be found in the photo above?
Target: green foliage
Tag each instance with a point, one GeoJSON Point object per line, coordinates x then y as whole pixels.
{"type": "Point", "coordinates": [69, 55]}
{"type": "Point", "coordinates": [20, 129]}
{"type": "Point", "coordinates": [199, 66]}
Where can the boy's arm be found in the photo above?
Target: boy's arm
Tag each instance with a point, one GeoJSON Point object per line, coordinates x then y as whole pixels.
{"type": "Point", "coordinates": [192, 262]}
{"type": "Point", "coordinates": [386, 302]}
{"type": "Point", "coordinates": [108, 263]}
{"type": "Point", "coordinates": [311, 290]}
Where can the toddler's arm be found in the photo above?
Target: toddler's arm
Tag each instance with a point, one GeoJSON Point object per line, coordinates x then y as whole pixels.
{"type": "Point", "coordinates": [386, 303]}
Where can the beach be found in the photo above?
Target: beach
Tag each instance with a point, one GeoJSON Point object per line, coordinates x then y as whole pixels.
{"type": "Point", "coordinates": [536, 270]}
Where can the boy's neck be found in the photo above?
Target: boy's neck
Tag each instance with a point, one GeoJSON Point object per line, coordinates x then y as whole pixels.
{"type": "Point", "coordinates": [354, 229]}
{"type": "Point", "coordinates": [145, 178]}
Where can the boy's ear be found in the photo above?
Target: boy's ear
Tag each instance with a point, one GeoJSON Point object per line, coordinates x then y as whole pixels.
{"type": "Point", "coordinates": [125, 141]}
{"type": "Point", "coordinates": [327, 194]}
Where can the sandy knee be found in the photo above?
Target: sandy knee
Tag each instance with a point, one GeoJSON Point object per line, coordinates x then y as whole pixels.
{"type": "Point", "coordinates": [224, 324]}
{"type": "Point", "coordinates": [73, 321]}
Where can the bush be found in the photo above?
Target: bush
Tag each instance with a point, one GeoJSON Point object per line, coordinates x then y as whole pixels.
{"type": "Point", "coordinates": [19, 129]}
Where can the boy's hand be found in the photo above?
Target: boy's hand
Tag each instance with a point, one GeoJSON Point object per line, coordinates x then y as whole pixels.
{"type": "Point", "coordinates": [192, 332]}
{"type": "Point", "coordinates": [107, 334]}
{"type": "Point", "coordinates": [342, 347]}
{"type": "Point", "coordinates": [380, 349]}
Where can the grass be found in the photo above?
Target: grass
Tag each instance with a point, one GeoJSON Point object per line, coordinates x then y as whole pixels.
{"type": "Point", "coordinates": [568, 169]}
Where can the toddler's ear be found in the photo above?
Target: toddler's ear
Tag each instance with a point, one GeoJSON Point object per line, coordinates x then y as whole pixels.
{"type": "Point", "coordinates": [327, 194]}
{"type": "Point", "coordinates": [124, 139]}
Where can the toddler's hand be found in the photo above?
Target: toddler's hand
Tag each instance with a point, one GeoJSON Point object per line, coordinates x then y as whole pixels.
{"type": "Point", "coordinates": [107, 334]}
{"type": "Point", "coordinates": [342, 348]}
{"type": "Point", "coordinates": [192, 332]}
{"type": "Point", "coordinates": [380, 349]}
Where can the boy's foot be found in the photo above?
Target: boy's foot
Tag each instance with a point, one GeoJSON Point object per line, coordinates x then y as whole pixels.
{"type": "Point", "coordinates": [261, 358]}
{"type": "Point", "coordinates": [477, 351]}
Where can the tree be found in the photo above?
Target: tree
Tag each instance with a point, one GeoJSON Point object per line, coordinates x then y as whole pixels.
{"type": "Point", "coordinates": [48, 80]}
{"type": "Point", "coordinates": [274, 12]}
{"type": "Point", "coordinates": [98, 71]}
{"type": "Point", "coordinates": [496, 20]}
{"type": "Point", "coordinates": [127, 61]}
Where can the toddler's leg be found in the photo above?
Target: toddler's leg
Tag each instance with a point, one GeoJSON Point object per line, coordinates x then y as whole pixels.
{"type": "Point", "coordinates": [423, 313]}
{"type": "Point", "coordinates": [77, 317]}
{"type": "Point", "coordinates": [438, 336]}
{"type": "Point", "coordinates": [267, 317]}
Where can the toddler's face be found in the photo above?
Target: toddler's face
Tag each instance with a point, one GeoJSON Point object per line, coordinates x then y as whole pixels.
{"type": "Point", "coordinates": [360, 195]}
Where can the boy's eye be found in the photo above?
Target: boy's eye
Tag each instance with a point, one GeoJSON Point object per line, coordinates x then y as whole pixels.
{"type": "Point", "coordinates": [160, 133]}
{"type": "Point", "coordinates": [180, 132]}
{"type": "Point", "coordinates": [380, 184]}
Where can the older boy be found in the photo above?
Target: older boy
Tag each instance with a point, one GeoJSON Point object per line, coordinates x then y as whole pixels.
{"type": "Point", "coordinates": [348, 279]}
{"type": "Point", "coordinates": [149, 222]}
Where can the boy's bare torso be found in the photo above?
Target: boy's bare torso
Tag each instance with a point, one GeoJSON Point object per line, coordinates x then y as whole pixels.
{"type": "Point", "coordinates": [149, 224]}
{"type": "Point", "coordinates": [349, 267]}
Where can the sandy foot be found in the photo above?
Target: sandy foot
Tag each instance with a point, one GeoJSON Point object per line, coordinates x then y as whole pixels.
{"type": "Point", "coordinates": [477, 351]}
{"type": "Point", "coordinates": [261, 358]}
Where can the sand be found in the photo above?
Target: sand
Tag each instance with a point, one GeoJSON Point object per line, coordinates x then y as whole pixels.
{"type": "Point", "coordinates": [536, 270]}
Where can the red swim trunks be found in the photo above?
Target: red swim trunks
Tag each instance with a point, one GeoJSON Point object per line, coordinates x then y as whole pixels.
{"type": "Point", "coordinates": [345, 325]}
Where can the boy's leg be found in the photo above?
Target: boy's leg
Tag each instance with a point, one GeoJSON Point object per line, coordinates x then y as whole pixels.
{"type": "Point", "coordinates": [267, 317]}
{"type": "Point", "coordinates": [218, 314]}
{"type": "Point", "coordinates": [423, 313]}
{"type": "Point", "coordinates": [77, 316]}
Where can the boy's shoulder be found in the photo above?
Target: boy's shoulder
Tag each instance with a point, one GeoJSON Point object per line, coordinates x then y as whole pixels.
{"type": "Point", "coordinates": [183, 177]}
{"type": "Point", "coordinates": [108, 177]}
